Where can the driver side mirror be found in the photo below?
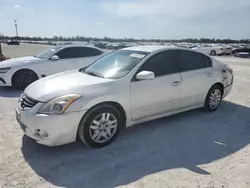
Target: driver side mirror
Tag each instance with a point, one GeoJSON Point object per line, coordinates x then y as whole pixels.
{"type": "Point", "coordinates": [145, 75]}
{"type": "Point", "coordinates": [54, 57]}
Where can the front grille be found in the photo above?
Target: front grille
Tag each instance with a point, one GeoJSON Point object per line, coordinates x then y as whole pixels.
{"type": "Point", "coordinates": [27, 102]}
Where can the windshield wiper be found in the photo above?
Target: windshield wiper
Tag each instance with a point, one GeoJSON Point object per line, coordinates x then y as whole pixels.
{"type": "Point", "coordinates": [93, 74]}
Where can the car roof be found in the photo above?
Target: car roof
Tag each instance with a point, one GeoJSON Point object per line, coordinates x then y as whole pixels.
{"type": "Point", "coordinates": [152, 48]}
{"type": "Point", "coordinates": [157, 48]}
{"type": "Point", "coordinates": [76, 45]}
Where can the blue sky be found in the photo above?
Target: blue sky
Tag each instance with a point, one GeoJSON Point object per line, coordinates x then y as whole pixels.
{"type": "Point", "coordinates": [163, 19]}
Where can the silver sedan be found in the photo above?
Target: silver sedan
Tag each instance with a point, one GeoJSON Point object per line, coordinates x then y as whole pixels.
{"type": "Point", "coordinates": [123, 88]}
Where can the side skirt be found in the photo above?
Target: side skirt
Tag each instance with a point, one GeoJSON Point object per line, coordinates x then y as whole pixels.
{"type": "Point", "coordinates": [163, 115]}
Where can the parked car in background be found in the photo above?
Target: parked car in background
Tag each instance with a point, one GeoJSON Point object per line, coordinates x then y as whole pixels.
{"type": "Point", "coordinates": [211, 49]}
{"type": "Point", "coordinates": [20, 72]}
{"type": "Point", "coordinates": [123, 88]}
{"type": "Point", "coordinates": [13, 42]}
{"type": "Point", "coordinates": [226, 49]}
{"type": "Point", "coordinates": [236, 51]}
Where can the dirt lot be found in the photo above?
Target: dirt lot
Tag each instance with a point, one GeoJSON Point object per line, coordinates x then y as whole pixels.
{"type": "Point", "coordinates": [192, 150]}
{"type": "Point", "coordinates": [23, 50]}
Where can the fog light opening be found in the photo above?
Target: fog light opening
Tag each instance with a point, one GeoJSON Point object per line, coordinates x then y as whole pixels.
{"type": "Point", "coordinates": [41, 133]}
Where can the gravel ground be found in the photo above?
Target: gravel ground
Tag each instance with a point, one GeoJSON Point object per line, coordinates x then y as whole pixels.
{"type": "Point", "coordinates": [192, 150]}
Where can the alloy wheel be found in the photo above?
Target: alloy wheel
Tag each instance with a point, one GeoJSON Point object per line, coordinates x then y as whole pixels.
{"type": "Point", "coordinates": [103, 127]}
{"type": "Point", "coordinates": [215, 98]}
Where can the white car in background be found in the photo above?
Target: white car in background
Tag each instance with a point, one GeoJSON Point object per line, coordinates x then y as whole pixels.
{"type": "Point", "coordinates": [123, 88]}
{"type": "Point", "coordinates": [21, 72]}
{"type": "Point", "coordinates": [211, 49]}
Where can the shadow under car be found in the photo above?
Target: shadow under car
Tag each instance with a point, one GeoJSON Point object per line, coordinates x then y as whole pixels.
{"type": "Point", "coordinates": [185, 140]}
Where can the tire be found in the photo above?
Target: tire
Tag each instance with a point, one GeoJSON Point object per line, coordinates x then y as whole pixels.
{"type": "Point", "coordinates": [213, 53]}
{"type": "Point", "coordinates": [23, 78]}
{"type": "Point", "coordinates": [214, 98]}
{"type": "Point", "coordinates": [236, 54]}
{"type": "Point", "coordinates": [93, 119]}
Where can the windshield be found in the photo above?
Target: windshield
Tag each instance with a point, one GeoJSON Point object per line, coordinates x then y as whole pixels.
{"type": "Point", "coordinates": [48, 53]}
{"type": "Point", "coordinates": [116, 64]}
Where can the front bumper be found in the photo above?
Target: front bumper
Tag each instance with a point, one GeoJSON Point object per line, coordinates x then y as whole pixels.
{"type": "Point", "coordinates": [50, 130]}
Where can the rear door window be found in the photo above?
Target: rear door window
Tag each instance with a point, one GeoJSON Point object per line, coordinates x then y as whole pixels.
{"type": "Point", "coordinates": [191, 60]}
{"type": "Point", "coordinates": [88, 52]}
{"type": "Point", "coordinates": [67, 53]}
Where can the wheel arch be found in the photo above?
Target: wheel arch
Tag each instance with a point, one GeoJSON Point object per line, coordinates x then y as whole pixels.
{"type": "Point", "coordinates": [220, 85]}
{"type": "Point", "coordinates": [213, 50]}
{"type": "Point", "coordinates": [114, 104]}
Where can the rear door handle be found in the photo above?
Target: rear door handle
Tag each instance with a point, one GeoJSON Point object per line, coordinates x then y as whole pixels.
{"type": "Point", "coordinates": [176, 83]}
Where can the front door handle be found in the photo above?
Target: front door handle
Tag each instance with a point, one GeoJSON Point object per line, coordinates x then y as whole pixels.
{"type": "Point", "coordinates": [176, 83]}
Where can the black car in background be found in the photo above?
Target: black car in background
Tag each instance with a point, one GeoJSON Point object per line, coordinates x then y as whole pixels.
{"type": "Point", "coordinates": [236, 51]}
{"type": "Point", "coordinates": [13, 42]}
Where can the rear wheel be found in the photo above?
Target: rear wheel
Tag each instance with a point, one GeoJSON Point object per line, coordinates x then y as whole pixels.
{"type": "Point", "coordinates": [213, 98]}
{"type": "Point", "coordinates": [236, 54]}
{"type": "Point", "coordinates": [23, 78]}
{"type": "Point", "coordinates": [213, 53]}
{"type": "Point", "coordinates": [100, 126]}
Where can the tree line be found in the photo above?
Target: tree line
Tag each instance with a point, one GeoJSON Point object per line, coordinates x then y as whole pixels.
{"type": "Point", "coordinates": [108, 39]}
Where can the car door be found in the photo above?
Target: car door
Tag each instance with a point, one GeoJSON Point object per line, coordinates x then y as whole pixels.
{"type": "Point", "coordinates": [206, 49]}
{"type": "Point", "coordinates": [197, 77]}
{"type": "Point", "coordinates": [203, 49]}
{"type": "Point", "coordinates": [68, 60]}
{"type": "Point", "coordinates": [161, 94]}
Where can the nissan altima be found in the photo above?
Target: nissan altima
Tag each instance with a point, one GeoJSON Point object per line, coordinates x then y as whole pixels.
{"type": "Point", "coordinates": [123, 88]}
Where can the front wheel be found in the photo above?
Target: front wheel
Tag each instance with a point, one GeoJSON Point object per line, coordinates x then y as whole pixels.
{"type": "Point", "coordinates": [213, 98]}
{"type": "Point", "coordinates": [23, 78]}
{"type": "Point", "coordinates": [100, 126]}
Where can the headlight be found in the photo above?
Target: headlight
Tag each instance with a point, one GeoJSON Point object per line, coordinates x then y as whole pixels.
{"type": "Point", "coordinates": [4, 70]}
{"type": "Point", "coordinates": [58, 105]}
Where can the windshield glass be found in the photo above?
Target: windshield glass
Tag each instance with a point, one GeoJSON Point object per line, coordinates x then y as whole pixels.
{"type": "Point", "coordinates": [116, 64]}
{"type": "Point", "coordinates": [48, 53]}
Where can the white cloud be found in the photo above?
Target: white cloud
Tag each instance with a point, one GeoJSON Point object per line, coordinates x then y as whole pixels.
{"type": "Point", "coordinates": [2, 14]}
{"type": "Point", "coordinates": [17, 6]}
{"type": "Point", "coordinates": [176, 9]}
{"type": "Point", "coordinates": [182, 18]}
{"type": "Point", "coordinates": [100, 23]}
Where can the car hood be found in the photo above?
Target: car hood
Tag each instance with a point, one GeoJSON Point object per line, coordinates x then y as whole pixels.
{"type": "Point", "coordinates": [18, 61]}
{"type": "Point", "coordinates": [70, 82]}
